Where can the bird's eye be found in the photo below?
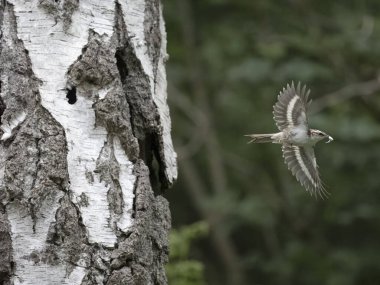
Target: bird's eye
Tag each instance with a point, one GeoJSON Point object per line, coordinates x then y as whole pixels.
{"type": "Point", "coordinates": [320, 134]}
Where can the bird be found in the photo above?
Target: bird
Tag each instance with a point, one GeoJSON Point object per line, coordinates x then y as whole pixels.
{"type": "Point", "coordinates": [290, 114]}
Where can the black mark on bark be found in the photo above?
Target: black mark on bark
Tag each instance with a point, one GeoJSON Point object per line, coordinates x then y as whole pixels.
{"type": "Point", "coordinates": [72, 95]}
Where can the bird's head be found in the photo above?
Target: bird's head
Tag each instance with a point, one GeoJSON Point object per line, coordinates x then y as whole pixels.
{"type": "Point", "coordinates": [317, 135]}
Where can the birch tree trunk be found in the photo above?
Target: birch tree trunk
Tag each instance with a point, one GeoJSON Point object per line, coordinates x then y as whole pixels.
{"type": "Point", "coordinates": [85, 148]}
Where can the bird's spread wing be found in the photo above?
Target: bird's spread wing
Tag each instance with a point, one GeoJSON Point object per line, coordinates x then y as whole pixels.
{"type": "Point", "coordinates": [291, 107]}
{"type": "Point", "coordinates": [301, 162]}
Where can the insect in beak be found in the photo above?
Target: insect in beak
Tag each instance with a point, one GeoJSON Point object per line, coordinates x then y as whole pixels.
{"type": "Point", "coordinates": [330, 139]}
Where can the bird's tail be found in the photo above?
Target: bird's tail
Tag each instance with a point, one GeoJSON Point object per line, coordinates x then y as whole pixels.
{"type": "Point", "coordinates": [261, 138]}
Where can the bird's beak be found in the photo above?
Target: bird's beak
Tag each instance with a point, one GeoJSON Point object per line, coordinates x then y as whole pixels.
{"type": "Point", "coordinates": [330, 139]}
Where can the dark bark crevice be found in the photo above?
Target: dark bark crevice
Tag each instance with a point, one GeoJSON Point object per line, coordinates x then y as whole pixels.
{"type": "Point", "coordinates": [61, 10]}
{"type": "Point", "coordinates": [6, 263]}
{"type": "Point", "coordinates": [109, 170]}
{"type": "Point", "coordinates": [141, 256]}
{"type": "Point", "coordinates": [2, 105]}
{"type": "Point", "coordinates": [95, 67]}
{"type": "Point", "coordinates": [67, 239]}
{"type": "Point", "coordinates": [152, 32]}
{"type": "Point", "coordinates": [145, 121]}
{"type": "Point", "coordinates": [19, 86]}
{"type": "Point", "coordinates": [35, 163]}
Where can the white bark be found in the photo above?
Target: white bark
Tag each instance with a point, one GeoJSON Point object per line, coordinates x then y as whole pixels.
{"type": "Point", "coordinates": [75, 186]}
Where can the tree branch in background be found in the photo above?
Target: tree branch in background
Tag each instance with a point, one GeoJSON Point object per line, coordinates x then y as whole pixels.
{"type": "Point", "coordinates": [219, 237]}
{"type": "Point", "coordinates": [349, 91]}
{"type": "Point", "coordinates": [197, 132]}
{"type": "Point", "coordinates": [216, 166]}
{"type": "Point", "coordinates": [212, 151]}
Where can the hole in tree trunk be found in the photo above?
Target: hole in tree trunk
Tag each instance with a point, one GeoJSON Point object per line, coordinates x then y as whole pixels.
{"type": "Point", "coordinates": [72, 95]}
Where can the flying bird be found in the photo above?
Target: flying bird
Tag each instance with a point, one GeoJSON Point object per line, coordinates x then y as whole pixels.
{"type": "Point", "coordinates": [297, 139]}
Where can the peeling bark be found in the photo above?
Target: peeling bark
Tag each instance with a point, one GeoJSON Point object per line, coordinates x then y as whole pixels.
{"type": "Point", "coordinates": [85, 149]}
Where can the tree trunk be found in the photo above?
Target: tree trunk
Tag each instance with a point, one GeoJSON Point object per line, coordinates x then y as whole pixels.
{"type": "Point", "coordinates": [85, 147]}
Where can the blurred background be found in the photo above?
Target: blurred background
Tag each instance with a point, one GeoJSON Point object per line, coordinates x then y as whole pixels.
{"type": "Point", "coordinates": [239, 216]}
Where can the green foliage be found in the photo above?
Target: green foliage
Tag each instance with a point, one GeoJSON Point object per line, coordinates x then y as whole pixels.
{"type": "Point", "coordinates": [181, 270]}
{"type": "Point", "coordinates": [228, 61]}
